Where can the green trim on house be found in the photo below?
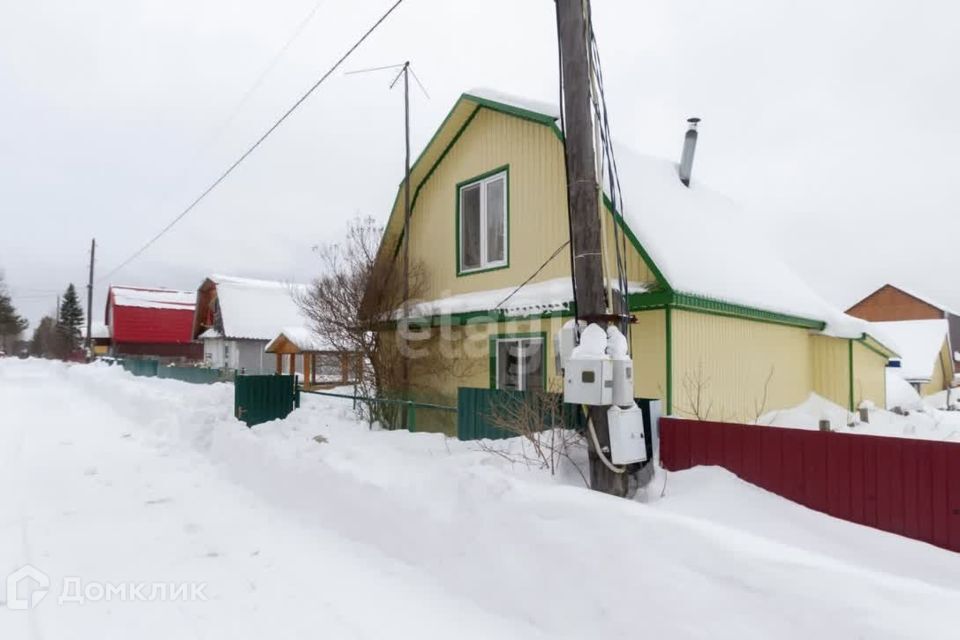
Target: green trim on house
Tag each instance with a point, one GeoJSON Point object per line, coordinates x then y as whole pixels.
{"type": "Point", "coordinates": [619, 220]}
{"type": "Point", "coordinates": [669, 358]}
{"type": "Point", "coordinates": [429, 174]}
{"type": "Point", "coordinates": [492, 346]}
{"type": "Point", "coordinates": [876, 346]}
{"type": "Point", "coordinates": [479, 317]}
{"type": "Point", "coordinates": [465, 183]}
{"type": "Point", "coordinates": [520, 112]}
{"type": "Point", "coordinates": [701, 304]}
{"type": "Point", "coordinates": [850, 369]}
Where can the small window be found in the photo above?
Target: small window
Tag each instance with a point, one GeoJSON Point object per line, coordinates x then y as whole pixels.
{"type": "Point", "coordinates": [483, 223]}
{"type": "Point", "coordinates": [519, 363]}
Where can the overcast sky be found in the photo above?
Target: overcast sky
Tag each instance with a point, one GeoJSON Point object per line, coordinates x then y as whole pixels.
{"type": "Point", "coordinates": [835, 123]}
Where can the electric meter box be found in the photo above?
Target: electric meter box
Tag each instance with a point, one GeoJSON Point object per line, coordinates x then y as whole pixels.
{"type": "Point", "coordinates": [622, 382]}
{"type": "Point", "coordinates": [588, 380]}
{"type": "Point", "coordinates": [627, 442]}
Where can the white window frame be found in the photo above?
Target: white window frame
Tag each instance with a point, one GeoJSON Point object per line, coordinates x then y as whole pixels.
{"type": "Point", "coordinates": [521, 374]}
{"type": "Point", "coordinates": [483, 182]}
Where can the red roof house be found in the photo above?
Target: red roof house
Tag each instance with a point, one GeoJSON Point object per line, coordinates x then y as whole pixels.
{"type": "Point", "coordinates": [152, 322]}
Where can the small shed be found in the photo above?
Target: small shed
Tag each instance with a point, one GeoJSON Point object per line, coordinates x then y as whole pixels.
{"type": "Point", "coordinates": [321, 364]}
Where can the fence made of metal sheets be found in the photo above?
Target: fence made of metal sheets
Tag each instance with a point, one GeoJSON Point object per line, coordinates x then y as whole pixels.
{"type": "Point", "coordinates": [904, 486]}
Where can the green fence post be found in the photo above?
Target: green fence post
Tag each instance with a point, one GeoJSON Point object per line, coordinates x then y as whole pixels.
{"type": "Point", "coordinates": [411, 416]}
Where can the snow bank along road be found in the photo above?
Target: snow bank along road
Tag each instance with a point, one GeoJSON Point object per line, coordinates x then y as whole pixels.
{"type": "Point", "coordinates": [111, 481]}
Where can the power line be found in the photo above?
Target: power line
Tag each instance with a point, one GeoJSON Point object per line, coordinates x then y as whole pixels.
{"type": "Point", "coordinates": [534, 274]}
{"type": "Point", "coordinates": [253, 147]}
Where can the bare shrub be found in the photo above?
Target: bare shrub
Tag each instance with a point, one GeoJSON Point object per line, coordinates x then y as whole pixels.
{"type": "Point", "coordinates": [542, 424]}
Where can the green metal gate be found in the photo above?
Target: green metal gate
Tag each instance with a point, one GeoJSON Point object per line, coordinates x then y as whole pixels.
{"type": "Point", "coordinates": [260, 399]}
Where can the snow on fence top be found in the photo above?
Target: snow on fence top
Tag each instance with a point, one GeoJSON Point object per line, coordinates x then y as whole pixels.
{"type": "Point", "coordinates": [152, 298]}
{"type": "Point", "coordinates": [257, 309]}
{"type": "Point", "coordinates": [918, 342]}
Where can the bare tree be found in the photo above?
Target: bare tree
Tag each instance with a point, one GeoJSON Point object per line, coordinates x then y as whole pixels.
{"type": "Point", "coordinates": [694, 387]}
{"type": "Point", "coordinates": [542, 422]}
{"type": "Point", "coordinates": [355, 305]}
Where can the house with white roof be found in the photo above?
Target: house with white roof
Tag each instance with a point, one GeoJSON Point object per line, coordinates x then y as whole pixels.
{"type": "Point", "coordinates": [925, 359]}
{"type": "Point", "coordinates": [151, 322]}
{"type": "Point", "coordinates": [236, 318]}
{"type": "Point", "coordinates": [891, 303]}
{"type": "Point", "coordinates": [722, 329]}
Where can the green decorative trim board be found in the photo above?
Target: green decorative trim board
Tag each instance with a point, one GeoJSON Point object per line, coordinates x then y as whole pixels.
{"type": "Point", "coordinates": [669, 357]}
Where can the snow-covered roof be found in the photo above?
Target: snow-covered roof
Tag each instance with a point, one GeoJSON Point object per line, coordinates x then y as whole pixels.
{"type": "Point", "coordinates": [532, 299]}
{"type": "Point", "coordinates": [210, 334]}
{"type": "Point", "coordinates": [152, 298]}
{"type": "Point", "coordinates": [257, 309]}
{"type": "Point", "coordinates": [702, 245]}
{"type": "Point", "coordinates": [98, 330]}
{"type": "Point", "coordinates": [535, 106]}
{"type": "Point", "coordinates": [918, 342]}
{"type": "Point", "coordinates": [301, 337]}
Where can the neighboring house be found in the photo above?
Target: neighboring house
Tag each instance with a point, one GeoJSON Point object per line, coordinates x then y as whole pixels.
{"type": "Point", "coordinates": [100, 337]}
{"type": "Point", "coordinates": [320, 364]}
{"type": "Point", "coordinates": [151, 322]}
{"type": "Point", "coordinates": [724, 328]}
{"type": "Point", "coordinates": [237, 317]}
{"type": "Point", "coordinates": [889, 303]}
{"type": "Point", "coordinates": [924, 349]}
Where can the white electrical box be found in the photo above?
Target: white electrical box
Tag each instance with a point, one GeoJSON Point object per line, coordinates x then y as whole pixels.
{"type": "Point", "coordinates": [627, 442]}
{"type": "Point", "coordinates": [623, 382]}
{"type": "Point", "coordinates": [588, 380]}
{"type": "Point", "coordinates": [564, 342]}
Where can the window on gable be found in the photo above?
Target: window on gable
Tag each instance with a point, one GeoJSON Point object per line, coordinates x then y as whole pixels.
{"type": "Point", "coordinates": [519, 363]}
{"type": "Point", "coordinates": [483, 223]}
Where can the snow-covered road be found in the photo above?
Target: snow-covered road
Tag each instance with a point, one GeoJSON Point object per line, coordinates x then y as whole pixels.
{"type": "Point", "coordinates": [119, 481]}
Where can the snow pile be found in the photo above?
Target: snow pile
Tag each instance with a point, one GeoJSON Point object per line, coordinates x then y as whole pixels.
{"type": "Point", "coordinates": [152, 298]}
{"type": "Point", "coordinates": [919, 343]}
{"type": "Point", "coordinates": [366, 533]}
{"type": "Point", "coordinates": [923, 421]}
{"type": "Point", "coordinates": [257, 309]}
{"type": "Point", "coordinates": [900, 393]}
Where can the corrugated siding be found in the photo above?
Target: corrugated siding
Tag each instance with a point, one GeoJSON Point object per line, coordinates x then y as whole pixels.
{"type": "Point", "coordinates": [649, 342]}
{"type": "Point", "coordinates": [537, 204]}
{"type": "Point", "coordinates": [733, 369]}
{"type": "Point", "coordinates": [938, 382]}
{"type": "Point", "coordinates": [459, 356]}
{"type": "Point", "coordinates": [831, 368]}
{"type": "Point", "coordinates": [869, 376]}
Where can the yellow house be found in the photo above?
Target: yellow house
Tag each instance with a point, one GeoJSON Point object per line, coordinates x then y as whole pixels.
{"type": "Point", "coordinates": [723, 328]}
{"type": "Point", "coordinates": [925, 354]}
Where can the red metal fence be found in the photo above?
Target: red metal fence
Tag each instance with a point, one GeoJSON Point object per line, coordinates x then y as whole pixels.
{"type": "Point", "coordinates": [908, 487]}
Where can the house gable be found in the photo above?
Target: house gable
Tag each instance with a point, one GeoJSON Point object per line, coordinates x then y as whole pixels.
{"type": "Point", "coordinates": [889, 303]}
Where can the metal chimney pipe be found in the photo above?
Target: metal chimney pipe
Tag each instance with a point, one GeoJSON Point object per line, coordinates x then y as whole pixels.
{"type": "Point", "coordinates": [689, 147]}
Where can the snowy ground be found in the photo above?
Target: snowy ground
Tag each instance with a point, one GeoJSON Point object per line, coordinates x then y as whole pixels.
{"type": "Point", "coordinates": [117, 480]}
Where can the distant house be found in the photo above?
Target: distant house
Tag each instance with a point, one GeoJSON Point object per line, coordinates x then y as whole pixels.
{"type": "Point", "coordinates": [924, 348]}
{"type": "Point", "coordinates": [891, 303]}
{"type": "Point", "coordinates": [100, 333]}
{"type": "Point", "coordinates": [723, 327]}
{"type": "Point", "coordinates": [236, 317]}
{"type": "Point", "coordinates": [151, 322]}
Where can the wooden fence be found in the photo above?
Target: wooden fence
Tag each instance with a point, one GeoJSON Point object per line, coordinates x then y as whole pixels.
{"type": "Point", "coordinates": [904, 486]}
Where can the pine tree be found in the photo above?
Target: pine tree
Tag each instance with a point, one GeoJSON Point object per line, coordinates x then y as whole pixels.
{"type": "Point", "coordinates": [11, 323]}
{"type": "Point", "coordinates": [46, 339]}
{"type": "Point", "coordinates": [70, 322]}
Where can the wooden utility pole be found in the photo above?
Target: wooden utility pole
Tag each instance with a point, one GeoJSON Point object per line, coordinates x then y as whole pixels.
{"type": "Point", "coordinates": [89, 342]}
{"type": "Point", "coordinates": [583, 201]}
